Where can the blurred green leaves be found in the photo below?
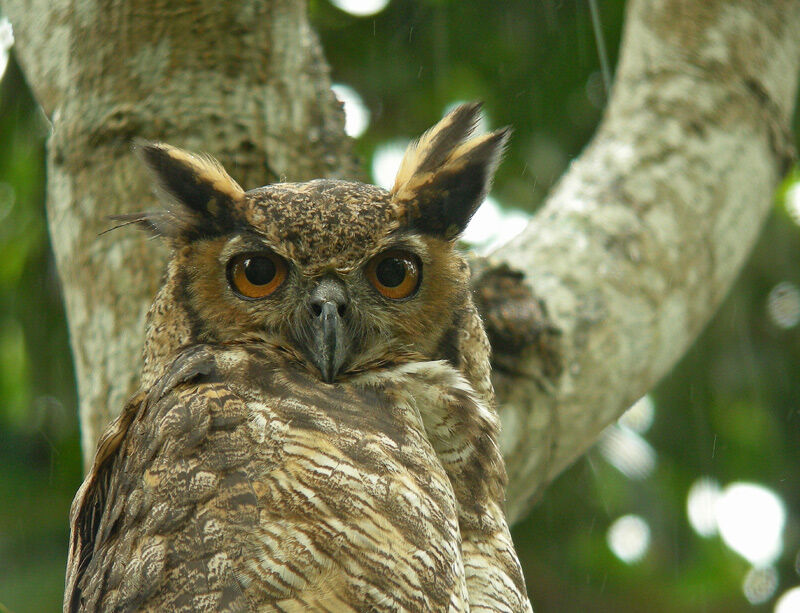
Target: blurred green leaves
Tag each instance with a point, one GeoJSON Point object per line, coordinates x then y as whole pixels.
{"type": "Point", "coordinates": [39, 449]}
{"type": "Point", "coordinates": [14, 374]}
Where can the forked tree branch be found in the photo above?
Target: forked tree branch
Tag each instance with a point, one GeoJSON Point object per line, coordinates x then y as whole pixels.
{"type": "Point", "coordinates": [627, 261]}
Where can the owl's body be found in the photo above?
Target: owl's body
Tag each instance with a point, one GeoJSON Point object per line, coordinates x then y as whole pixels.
{"type": "Point", "coordinates": [315, 428]}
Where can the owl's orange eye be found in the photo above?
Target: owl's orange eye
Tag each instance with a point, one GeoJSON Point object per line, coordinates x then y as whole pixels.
{"type": "Point", "coordinates": [395, 274]}
{"type": "Point", "coordinates": [256, 275]}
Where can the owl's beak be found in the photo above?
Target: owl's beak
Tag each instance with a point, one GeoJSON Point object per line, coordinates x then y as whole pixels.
{"type": "Point", "coordinates": [328, 342]}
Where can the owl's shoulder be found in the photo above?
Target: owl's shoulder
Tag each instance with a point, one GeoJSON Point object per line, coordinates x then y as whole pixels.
{"type": "Point", "coordinates": [144, 484]}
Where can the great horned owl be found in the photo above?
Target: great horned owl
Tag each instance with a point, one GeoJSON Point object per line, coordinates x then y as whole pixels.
{"type": "Point", "coordinates": [315, 427]}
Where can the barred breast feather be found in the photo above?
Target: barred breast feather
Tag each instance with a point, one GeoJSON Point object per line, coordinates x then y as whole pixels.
{"type": "Point", "coordinates": [265, 493]}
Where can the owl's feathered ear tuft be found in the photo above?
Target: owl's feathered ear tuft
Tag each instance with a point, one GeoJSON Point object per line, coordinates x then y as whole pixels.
{"type": "Point", "coordinates": [200, 196]}
{"type": "Point", "coordinates": [445, 175]}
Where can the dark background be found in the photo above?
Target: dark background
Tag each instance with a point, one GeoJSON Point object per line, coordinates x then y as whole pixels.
{"type": "Point", "coordinates": [729, 410]}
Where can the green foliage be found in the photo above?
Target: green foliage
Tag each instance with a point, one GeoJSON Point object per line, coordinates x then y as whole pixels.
{"type": "Point", "coordinates": [39, 448]}
{"type": "Point", "coordinates": [728, 411]}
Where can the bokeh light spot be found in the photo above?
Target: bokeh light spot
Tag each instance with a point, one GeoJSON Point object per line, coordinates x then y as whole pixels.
{"type": "Point", "coordinates": [386, 162]}
{"type": "Point", "coordinates": [789, 602]}
{"type": "Point", "coordinates": [750, 519]}
{"type": "Point", "coordinates": [492, 226]}
{"type": "Point", "coordinates": [640, 416]}
{"type": "Point", "coordinates": [792, 202]}
{"type": "Point", "coordinates": [356, 114]}
{"type": "Point", "coordinates": [760, 584]}
{"type": "Point", "coordinates": [361, 8]}
{"type": "Point", "coordinates": [628, 452]}
{"type": "Point", "coordinates": [783, 305]}
{"type": "Point", "coordinates": [629, 538]}
{"type": "Point", "coordinates": [701, 504]}
{"type": "Point", "coordinates": [6, 42]}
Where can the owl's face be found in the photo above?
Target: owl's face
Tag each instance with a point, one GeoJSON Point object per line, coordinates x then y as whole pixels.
{"type": "Point", "coordinates": [340, 275]}
{"type": "Point", "coordinates": [326, 271]}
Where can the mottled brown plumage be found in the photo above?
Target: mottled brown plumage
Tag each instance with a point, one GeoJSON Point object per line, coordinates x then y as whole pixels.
{"type": "Point", "coordinates": [315, 428]}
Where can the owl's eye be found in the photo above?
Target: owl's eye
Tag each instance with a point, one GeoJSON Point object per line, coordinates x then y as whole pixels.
{"type": "Point", "coordinates": [395, 274]}
{"type": "Point", "coordinates": [256, 275]}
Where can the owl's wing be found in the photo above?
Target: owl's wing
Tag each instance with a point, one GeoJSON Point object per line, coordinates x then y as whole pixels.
{"type": "Point", "coordinates": [89, 502]}
{"type": "Point", "coordinates": [473, 462]}
{"type": "Point", "coordinates": [463, 432]}
{"type": "Point", "coordinates": [142, 484]}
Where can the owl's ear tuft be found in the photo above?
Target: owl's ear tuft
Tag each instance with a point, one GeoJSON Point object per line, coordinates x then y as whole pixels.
{"type": "Point", "coordinates": [200, 197]}
{"type": "Point", "coordinates": [445, 175]}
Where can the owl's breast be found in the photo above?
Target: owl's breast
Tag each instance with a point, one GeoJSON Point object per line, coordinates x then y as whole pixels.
{"type": "Point", "coordinates": [238, 483]}
{"type": "Point", "coordinates": [349, 489]}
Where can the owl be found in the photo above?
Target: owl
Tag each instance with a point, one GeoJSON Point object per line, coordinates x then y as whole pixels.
{"type": "Point", "coordinates": [315, 428]}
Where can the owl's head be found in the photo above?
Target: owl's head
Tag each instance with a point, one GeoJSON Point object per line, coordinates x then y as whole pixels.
{"type": "Point", "coordinates": [339, 275]}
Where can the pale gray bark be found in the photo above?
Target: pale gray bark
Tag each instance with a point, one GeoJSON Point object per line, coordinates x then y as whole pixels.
{"type": "Point", "coordinates": [645, 234]}
{"type": "Point", "coordinates": [630, 257]}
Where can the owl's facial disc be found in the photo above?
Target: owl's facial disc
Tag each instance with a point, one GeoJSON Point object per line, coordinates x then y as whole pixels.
{"type": "Point", "coordinates": [326, 340]}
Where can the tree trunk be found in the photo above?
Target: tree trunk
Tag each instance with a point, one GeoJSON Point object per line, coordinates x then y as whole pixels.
{"type": "Point", "coordinates": [621, 269]}
{"type": "Point", "coordinates": [244, 81]}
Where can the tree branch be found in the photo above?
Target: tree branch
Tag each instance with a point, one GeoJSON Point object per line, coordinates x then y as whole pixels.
{"type": "Point", "coordinates": [644, 236]}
